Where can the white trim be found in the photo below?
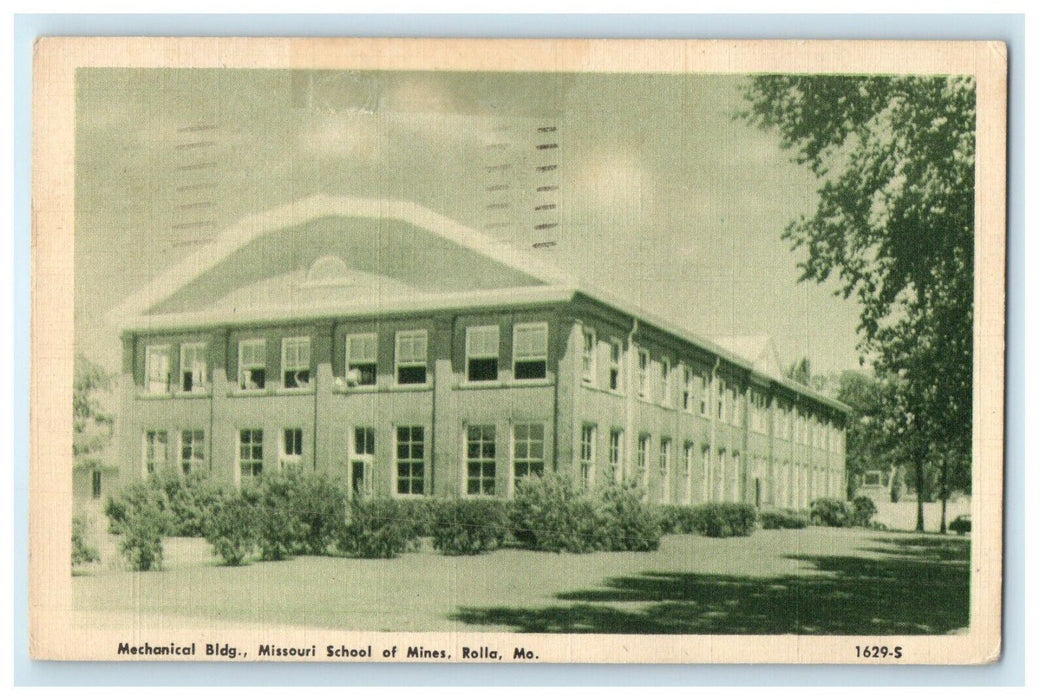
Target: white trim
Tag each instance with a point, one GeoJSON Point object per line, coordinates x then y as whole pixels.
{"type": "Point", "coordinates": [306, 367]}
{"type": "Point", "coordinates": [349, 337]}
{"type": "Point", "coordinates": [163, 350]}
{"type": "Point", "coordinates": [240, 345]}
{"type": "Point", "coordinates": [470, 355]}
{"type": "Point", "coordinates": [517, 357]}
{"type": "Point", "coordinates": [589, 353]}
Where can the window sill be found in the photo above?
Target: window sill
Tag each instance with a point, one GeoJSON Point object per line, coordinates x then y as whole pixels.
{"type": "Point", "coordinates": [174, 395]}
{"type": "Point", "coordinates": [510, 384]}
{"type": "Point", "coordinates": [601, 390]}
{"type": "Point", "coordinates": [247, 393]}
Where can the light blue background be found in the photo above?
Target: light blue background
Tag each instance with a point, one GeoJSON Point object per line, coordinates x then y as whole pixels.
{"type": "Point", "coordinates": [1009, 28]}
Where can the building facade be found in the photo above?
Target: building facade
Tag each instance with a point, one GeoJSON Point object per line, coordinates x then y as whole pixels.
{"type": "Point", "coordinates": [409, 357]}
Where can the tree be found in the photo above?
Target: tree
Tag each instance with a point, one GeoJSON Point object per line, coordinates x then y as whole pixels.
{"type": "Point", "coordinates": [799, 371]}
{"type": "Point", "coordinates": [893, 228]}
{"type": "Point", "coordinates": [92, 424]}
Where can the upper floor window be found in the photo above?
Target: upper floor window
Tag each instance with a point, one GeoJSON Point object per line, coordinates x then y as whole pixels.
{"type": "Point", "coordinates": [412, 354]}
{"type": "Point", "coordinates": [721, 407]}
{"type": "Point", "coordinates": [643, 382]}
{"type": "Point", "coordinates": [530, 351]}
{"type": "Point", "coordinates": [361, 359]}
{"type": "Point", "coordinates": [738, 404]}
{"type": "Point", "coordinates": [614, 365]}
{"type": "Point", "coordinates": [666, 381]}
{"type": "Point", "coordinates": [157, 369]}
{"type": "Point", "coordinates": [704, 393]}
{"type": "Point", "coordinates": [588, 357]}
{"type": "Point", "coordinates": [688, 389]}
{"type": "Point", "coordinates": [481, 353]}
{"type": "Point", "coordinates": [252, 364]}
{"type": "Point", "coordinates": [296, 363]}
{"type": "Point", "coordinates": [665, 465]}
{"type": "Point", "coordinates": [194, 367]}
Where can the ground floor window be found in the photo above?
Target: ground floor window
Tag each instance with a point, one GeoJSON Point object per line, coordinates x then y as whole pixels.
{"type": "Point", "coordinates": [480, 459]}
{"type": "Point", "coordinates": [361, 464]}
{"type": "Point", "coordinates": [688, 473]}
{"type": "Point", "coordinates": [410, 460]}
{"type": "Point", "coordinates": [96, 484]}
{"type": "Point", "coordinates": [614, 456]}
{"type": "Point", "coordinates": [666, 470]}
{"type": "Point", "coordinates": [155, 453]}
{"type": "Point", "coordinates": [588, 438]}
{"type": "Point", "coordinates": [250, 455]}
{"type": "Point", "coordinates": [291, 447]}
{"type": "Point", "coordinates": [528, 450]}
{"type": "Point", "coordinates": [192, 451]}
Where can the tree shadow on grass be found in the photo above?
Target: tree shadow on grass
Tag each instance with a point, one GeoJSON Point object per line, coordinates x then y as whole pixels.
{"type": "Point", "coordinates": [913, 589]}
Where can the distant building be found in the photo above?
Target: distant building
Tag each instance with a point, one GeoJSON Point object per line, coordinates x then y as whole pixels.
{"type": "Point", "coordinates": [410, 356]}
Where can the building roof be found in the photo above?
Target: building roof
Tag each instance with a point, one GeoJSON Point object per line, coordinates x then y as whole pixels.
{"type": "Point", "coordinates": [326, 256]}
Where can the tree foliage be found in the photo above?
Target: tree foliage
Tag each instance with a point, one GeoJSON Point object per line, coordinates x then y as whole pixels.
{"type": "Point", "coordinates": [92, 424]}
{"type": "Point", "coordinates": [893, 228]}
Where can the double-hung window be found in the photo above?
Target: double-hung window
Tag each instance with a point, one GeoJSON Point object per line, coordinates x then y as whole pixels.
{"type": "Point", "coordinates": [721, 400]}
{"type": "Point", "coordinates": [252, 365]}
{"type": "Point", "coordinates": [666, 381]}
{"type": "Point", "coordinates": [528, 450]}
{"type": "Point", "coordinates": [410, 460]}
{"type": "Point", "coordinates": [588, 357]}
{"type": "Point", "coordinates": [157, 369]}
{"type": "Point", "coordinates": [736, 398]}
{"type": "Point", "coordinates": [361, 359]}
{"type": "Point", "coordinates": [588, 438]}
{"type": "Point", "coordinates": [614, 365]}
{"type": "Point", "coordinates": [480, 459]}
{"type": "Point", "coordinates": [481, 353]}
{"type": "Point", "coordinates": [412, 357]}
{"type": "Point", "coordinates": [291, 448]}
{"type": "Point", "coordinates": [614, 455]}
{"type": "Point", "coordinates": [194, 367]}
{"type": "Point", "coordinates": [361, 478]}
{"type": "Point", "coordinates": [530, 350]}
{"type": "Point", "coordinates": [688, 389]}
{"type": "Point", "coordinates": [688, 473]}
{"type": "Point", "coordinates": [155, 451]}
{"type": "Point", "coordinates": [666, 470]}
{"type": "Point", "coordinates": [643, 378]}
{"type": "Point", "coordinates": [192, 451]}
{"type": "Point", "coordinates": [296, 363]}
{"type": "Point", "coordinates": [250, 455]}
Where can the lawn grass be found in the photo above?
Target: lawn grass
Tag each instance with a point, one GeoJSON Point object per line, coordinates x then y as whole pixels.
{"type": "Point", "coordinates": [812, 581]}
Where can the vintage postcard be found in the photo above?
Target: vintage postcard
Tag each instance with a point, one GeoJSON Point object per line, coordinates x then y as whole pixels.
{"type": "Point", "coordinates": [517, 351]}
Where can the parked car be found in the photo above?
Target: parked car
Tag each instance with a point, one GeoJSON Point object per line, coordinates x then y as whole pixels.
{"type": "Point", "coordinates": [961, 525]}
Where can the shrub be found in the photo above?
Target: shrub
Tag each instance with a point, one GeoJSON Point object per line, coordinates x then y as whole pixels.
{"type": "Point", "coordinates": [624, 522]}
{"type": "Point", "coordinates": [318, 503]}
{"type": "Point", "coordinates": [418, 515]}
{"type": "Point", "coordinates": [709, 519]}
{"type": "Point", "coordinates": [140, 495]}
{"type": "Point", "coordinates": [863, 510]}
{"type": "Point", "coordinates": [831, 512]}
{"type": "Point", "coordinates": [375, 530]}
{"type": "Point", "coordinates": [783, 518]}
{"type": "Point", "coordinates": [231, 528]}
{"type": "Point", "coordinates": [142, 527]}
{"type": "Point", "coordinates": [280, 528]}
{"type": "Point", "coordinates": [83, 553]}
{"type": "Point", "coordinates": [469, 526]}
{"type": "Point", "coordinates": [548, 515]}
{"type": "Point", "coordinates": [189, 501]}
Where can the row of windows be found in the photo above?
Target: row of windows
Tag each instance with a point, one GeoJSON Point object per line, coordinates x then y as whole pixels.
{"type": "Point", "coordinates": [411, 358]}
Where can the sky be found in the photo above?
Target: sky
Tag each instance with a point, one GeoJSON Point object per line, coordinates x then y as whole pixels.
{"type": "Point", "coordinates": [663, 196]}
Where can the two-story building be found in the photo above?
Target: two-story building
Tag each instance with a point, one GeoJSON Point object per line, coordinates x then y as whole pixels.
{"type": "Point", "coordinates": [408, 355]}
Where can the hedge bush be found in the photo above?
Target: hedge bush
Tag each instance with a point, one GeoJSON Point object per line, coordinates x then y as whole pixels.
{"type": "Point", "coordinates": [319, 504]}
{"type": "Point", "coordinates": [375, 529]}
{"type": "Point", "coordinates": [136, 497]}
{"type": "Point", "coordinates": [142, 525]}
{"type": "Point", "coordinates": [419, 515]}
{"type": "Point", "coordinates": [862, 510]}
{"type": "Point", "coordinates": [709, 519]}
{"type": "Point", "coordinates": [469, 526]}
{"type": "Point", "coordinates": [280, 528]}
{"type": "Point", "coordinates": [961, 525]}
{"type": "Point", "coordinates": [232, 528]}
{"type": "Point", "coordinates": [831, 512]}
{"type": "Point", "coordinates": [549, 515]}
{"type": "Point", "coordinates": [82, 553]}
{"type": "Point", "coordinates": [624, 523]}
{"type": "Point", "coordinates": [783, 518]}
{"type": "Point", "coordinates": [190, 499]}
